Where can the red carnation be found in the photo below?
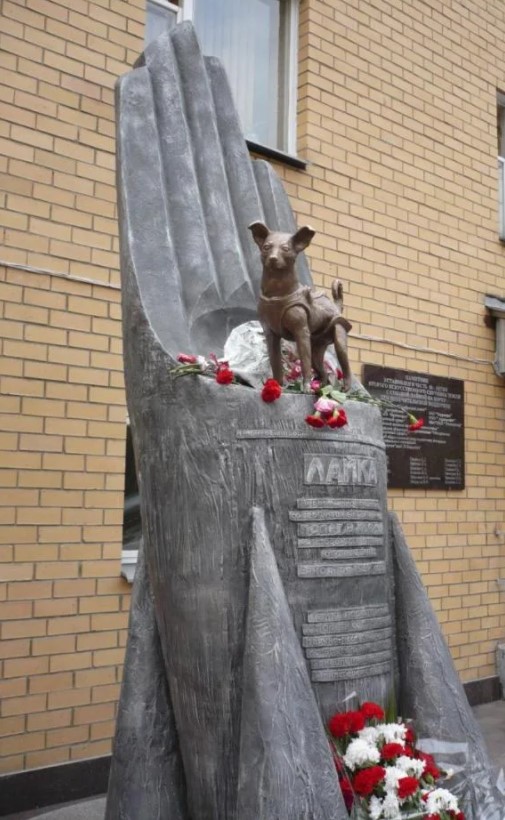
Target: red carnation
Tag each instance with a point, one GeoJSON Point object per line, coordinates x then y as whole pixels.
{"type": "Point", "coordinates": [371, 710]}
{"type": "Point", "coordinates": [224, 375]}
{"type": "Point", "coordinates": [416, 424]}
{"type": "Point", "coordinates": [186, 358]}
{"type": "Point", "coordinates": [338, 419]}
{"type": "Point", "coordinates": [315, 420]}
{"type": "Point", "coordinates": [338, 725]}
{"type": "Point", "coordinates": [458, 815]}
{"type": "Point", "coordinates": [409, 735]}
{"type": "Point", "coordinates": [430, 767]}
{"type": "Point", "coordinates": [271, 390]}
{"type": "Point", "coordinates": [356, 721]}
{"type": "Point", "coordinates": [407, 786]}
{"type": "Point", "coordinates": [433, 816]}
{"type": "Point", "coordinates": [365, 781]}
{"type": "Point", "coordinates": [391, 750]}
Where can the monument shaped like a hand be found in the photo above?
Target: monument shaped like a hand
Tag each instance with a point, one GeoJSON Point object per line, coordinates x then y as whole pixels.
{"type": "Point", "coordinates": [264, 593]}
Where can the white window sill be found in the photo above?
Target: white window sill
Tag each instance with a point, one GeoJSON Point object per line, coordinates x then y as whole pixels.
{"type": "Point", "coordinates": [129, 564]}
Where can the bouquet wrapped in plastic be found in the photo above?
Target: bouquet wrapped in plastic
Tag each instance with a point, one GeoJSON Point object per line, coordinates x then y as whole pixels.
{"type": "Point", "coordinates": [383, 774]}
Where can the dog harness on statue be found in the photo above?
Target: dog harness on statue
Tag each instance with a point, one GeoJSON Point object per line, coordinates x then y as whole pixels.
{"type": "Point", "coordinates": [273, 309]}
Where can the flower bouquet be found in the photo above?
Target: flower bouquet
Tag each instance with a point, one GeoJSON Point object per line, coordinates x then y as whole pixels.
{"type": "Point", "coordinates": [383, 776]}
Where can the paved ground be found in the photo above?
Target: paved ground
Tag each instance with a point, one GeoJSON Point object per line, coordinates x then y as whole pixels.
{"type": "Point", "coordinates": [491, 717]}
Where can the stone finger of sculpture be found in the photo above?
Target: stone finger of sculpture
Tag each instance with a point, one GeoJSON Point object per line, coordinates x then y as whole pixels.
{"type": "Point", "coordinates": [289, 310]}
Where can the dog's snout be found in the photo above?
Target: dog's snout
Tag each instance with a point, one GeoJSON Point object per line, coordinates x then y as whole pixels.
{"type": "Point", "coordinates": [273, 258]}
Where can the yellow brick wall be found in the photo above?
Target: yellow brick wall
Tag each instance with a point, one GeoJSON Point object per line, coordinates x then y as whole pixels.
{"type": "Point", "coordinates": [397, 117]}
{"type": "Point", "coordinates": [63, 606]}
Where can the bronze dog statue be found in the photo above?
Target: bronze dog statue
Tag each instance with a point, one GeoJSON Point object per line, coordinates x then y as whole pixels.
{"type": "Point", "coordinates": [288, 310]}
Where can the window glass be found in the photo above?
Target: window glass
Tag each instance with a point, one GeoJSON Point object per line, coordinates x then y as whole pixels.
{"type": "Point", "coordinates": [132, 523]}
{"type": "Point", "coordinates": [159, 19]}
{"type": "Point", "coordinates": [251, 40]}
{"type": "Point", "coordinates": [501, 130]}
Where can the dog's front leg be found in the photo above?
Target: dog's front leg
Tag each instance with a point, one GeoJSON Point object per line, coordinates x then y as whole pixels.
{"type": "Point", "coordinates": [303, 346]}
{"type": "Point", "coordinates": [302, 338]}
{"type": "Point", "coordinates": [295, 322]}
{"type": "Point", "coordinates": [340, 344]}
{"type": "Point", "coordinates": [275, 355]}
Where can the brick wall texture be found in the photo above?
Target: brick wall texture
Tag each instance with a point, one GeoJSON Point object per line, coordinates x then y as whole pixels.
{"type": "Point", "coordinates": [397, 117]}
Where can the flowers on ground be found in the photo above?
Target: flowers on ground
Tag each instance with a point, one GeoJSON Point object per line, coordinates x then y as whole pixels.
{"type": "Point", "coordinates": [382, 773]}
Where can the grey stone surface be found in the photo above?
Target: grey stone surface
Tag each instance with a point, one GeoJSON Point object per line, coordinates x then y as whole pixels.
{"type": "Point", "coordinates": [207, 455]}
{"type": "Point", "coordinates": [491, 719]}
{"type": "Point", "coordinates": [286, 769]}
{"type": "Point", "coordinates": [146, 778]}
{"type": "Point", "coordinates": [432, 694]}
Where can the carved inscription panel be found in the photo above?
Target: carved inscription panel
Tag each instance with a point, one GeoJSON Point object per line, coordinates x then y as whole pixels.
{"type": "Point", "coordinates": [349, 643]}
{"type": "Point", "coordinates": [336, 537]}
{"type": "Point", "coordinates": [336, 469]}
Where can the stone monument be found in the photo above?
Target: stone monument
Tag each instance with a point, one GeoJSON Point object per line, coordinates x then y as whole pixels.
{"type": "Point", "coordinates": [271, 582]}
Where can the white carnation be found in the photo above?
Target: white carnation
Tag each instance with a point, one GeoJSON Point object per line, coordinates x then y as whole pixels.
{"type": "Point", "coordinates": [375, 808]}
{"type": "Point", "coordinates": [360, 753]}
{"type": "Point", "coordinates": [369, 733]}
{"type": "Point", "coordinates": [391, 807]}
{"type": "Point", "coordinates": [391, 732]}
{"type": "Point", "coordinates": [393, 775]}
{"type": "Point", "coordinates": [388, 807]}
{"type": "Point", "coordinates": [441, 799]}
{"type": "Point", "coordinates": [411, 766]}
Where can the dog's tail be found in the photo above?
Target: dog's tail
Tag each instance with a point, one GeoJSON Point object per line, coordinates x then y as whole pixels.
{"type": "Point", "coordinates": [337, 291]}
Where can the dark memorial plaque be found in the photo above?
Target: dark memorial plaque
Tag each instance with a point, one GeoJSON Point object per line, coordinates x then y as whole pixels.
{"type": "Point", "coordinates": [434, 456]}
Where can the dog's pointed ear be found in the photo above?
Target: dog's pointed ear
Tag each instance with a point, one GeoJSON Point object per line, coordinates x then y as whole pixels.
{"type": "Point", "coordinates": [302, 238]}
{"type": "Point", "coordinates": [259, 232]}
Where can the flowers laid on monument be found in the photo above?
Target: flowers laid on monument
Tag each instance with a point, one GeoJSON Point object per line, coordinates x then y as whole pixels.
{"type": "Point", "coordinates": [382, 775]}
{"type": "Point", "coordinates": [224, 375]}
{"type": "Point", "coordinates": [189, 365]}
{"type": "Point", "coordinates": [329, 400]}
{"type": "Point", "coordinates": [271, 391]}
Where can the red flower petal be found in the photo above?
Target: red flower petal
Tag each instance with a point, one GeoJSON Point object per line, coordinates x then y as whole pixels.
{"type": "Point", "coordinates": [186, 358]}
{"type": "Point", "coordinates": [416, 425]}
{"type": "Point", "coordinates": [315, 421]}
{"type": "Point", "coordinates": [409, 735]}
{"type": "Point", "coordinates": [407, 786]}
{"type": "Point", "coordinates": [365, 781]}
{"type": "Point", "coordinates": [356, 721]}
{"type": "Point", "coordinates": [372, 710]}
{"type": "Point", "coordinates": [338, 725]}
{"type": "Point", "coordinates": [338, 419]}
{"type": "Point", "coordinates": [271, 390]}
{"type": "Point", "coordinates": [224, 375]}
{"type": "Point", "coordinates": [391, 750]}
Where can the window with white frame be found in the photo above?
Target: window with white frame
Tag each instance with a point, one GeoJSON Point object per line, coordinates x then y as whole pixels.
{"type": "Point", "coordinates": [161, 15]}
{"type": "Point", "coordinates": [257, 43]}
{"type": "Point", "coordinates": [501, 162]}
